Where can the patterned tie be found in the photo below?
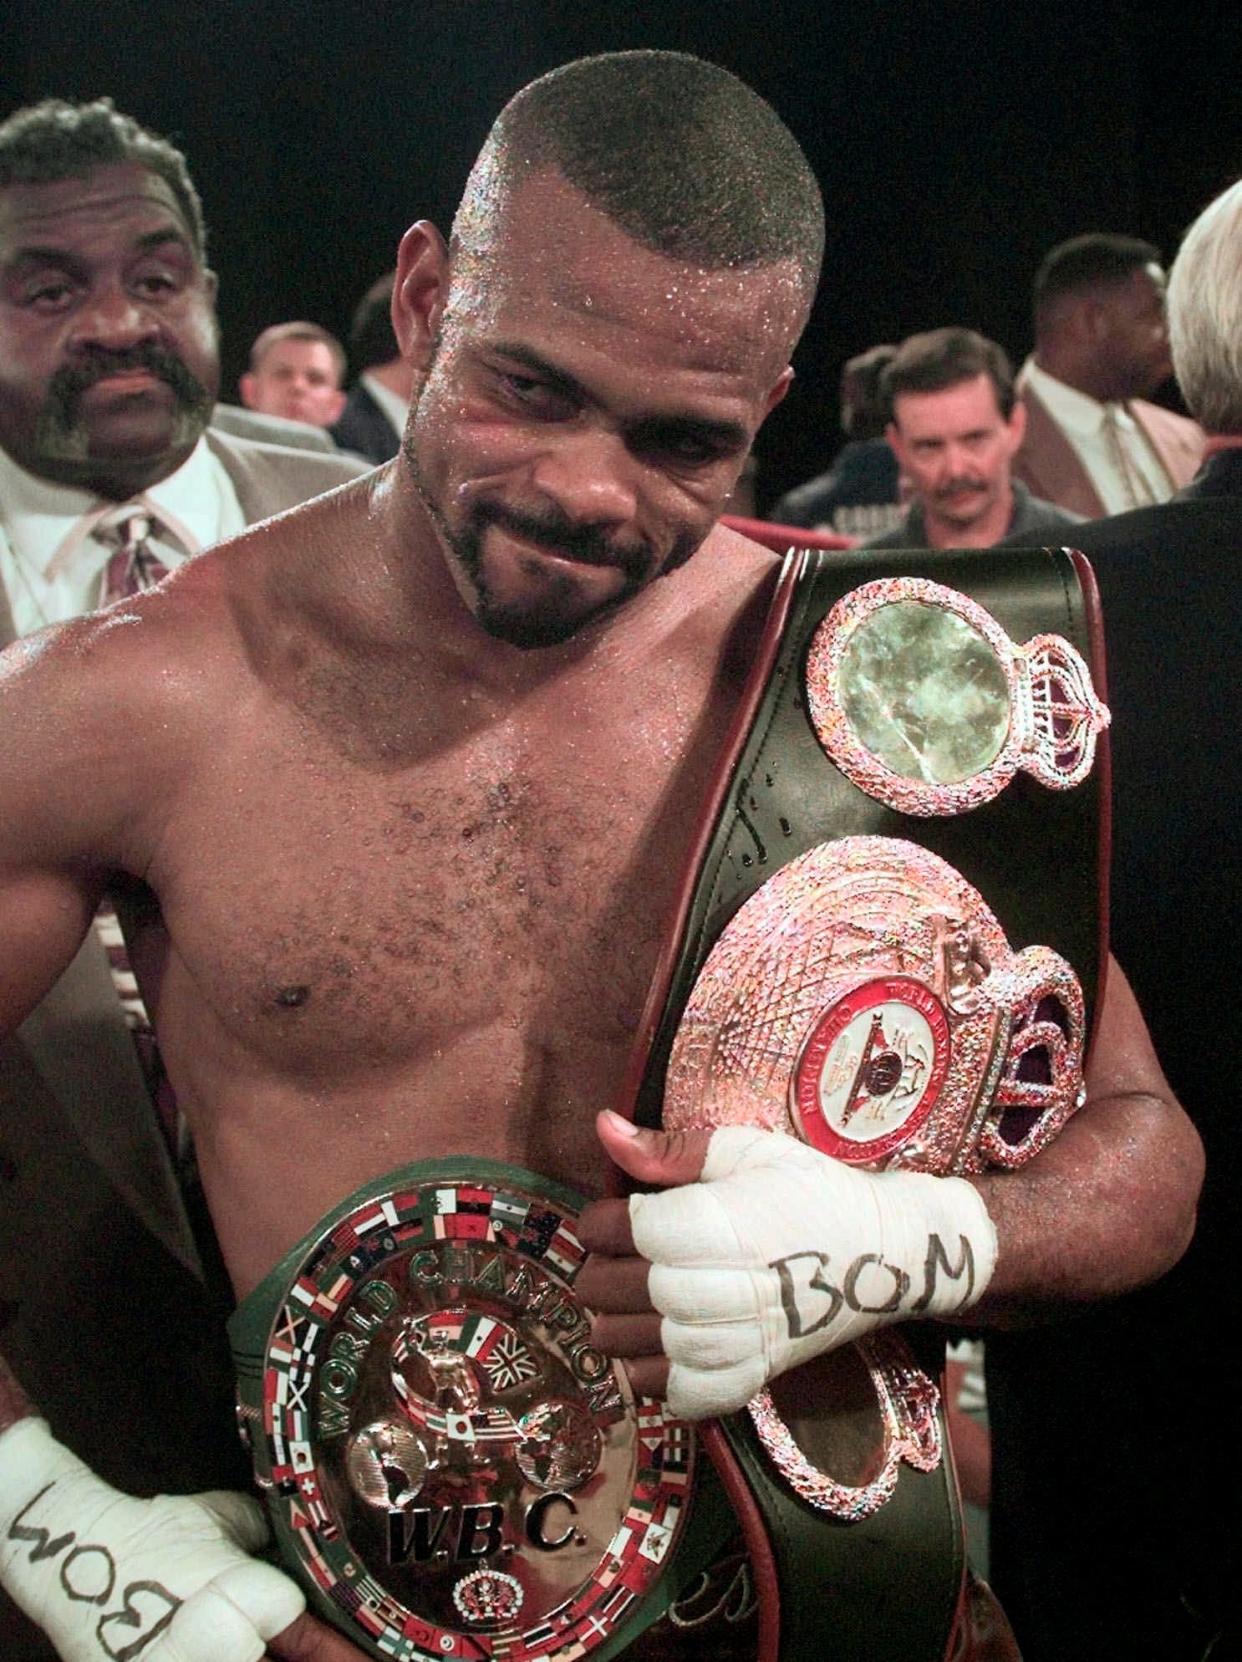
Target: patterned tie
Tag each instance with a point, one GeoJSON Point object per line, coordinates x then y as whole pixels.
{"type": "Point", "coordinates": [133, 565]}
{"type": "Point", "coordinates": [108, 931]}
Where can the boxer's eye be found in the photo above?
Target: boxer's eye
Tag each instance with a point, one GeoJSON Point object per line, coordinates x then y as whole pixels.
{"type": "Point", "coordinates": [536, 395]}
{"type": "Point", "coordinates": [685, 444]}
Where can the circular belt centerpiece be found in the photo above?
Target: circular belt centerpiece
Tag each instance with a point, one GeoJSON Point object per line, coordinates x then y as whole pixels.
{"type": "Point", "coordinates": [450, 1465]}
{"type": "Point", "coordinates": [865, 999]}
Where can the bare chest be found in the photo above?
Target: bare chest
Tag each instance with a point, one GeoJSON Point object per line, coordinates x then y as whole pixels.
{"type": "Point", "coordinates": [465, 942]}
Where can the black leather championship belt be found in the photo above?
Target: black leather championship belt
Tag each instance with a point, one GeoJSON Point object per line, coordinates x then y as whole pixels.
{"type": "Point", "coordinates": [887, 944]}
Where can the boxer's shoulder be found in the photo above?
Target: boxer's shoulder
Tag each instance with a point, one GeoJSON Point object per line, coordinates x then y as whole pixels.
{"type": "Point", "coordinates": [734, 579]}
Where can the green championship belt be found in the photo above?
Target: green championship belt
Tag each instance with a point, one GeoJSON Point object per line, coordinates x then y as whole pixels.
{"type": "Point", "coordinates": [450, 1467]}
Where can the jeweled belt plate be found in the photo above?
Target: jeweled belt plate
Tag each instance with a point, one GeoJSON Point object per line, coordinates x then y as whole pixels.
{"type": "Point", "coordinates": [451, 1467]}
{"type": "Point", "coordinates": [866, 1000]}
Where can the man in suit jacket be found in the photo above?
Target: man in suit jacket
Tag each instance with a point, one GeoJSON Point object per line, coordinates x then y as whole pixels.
{"type": "Point", "coordinates": [1115, 1527]}
{"type": "Point", "coordinates": [1093, 443]}
{"type": "Point", "coordinates": [373, 420]}
{"type": "Point", "coordinates": [270, 429]}
{"type": "Point", "coordinates": [108, 373]}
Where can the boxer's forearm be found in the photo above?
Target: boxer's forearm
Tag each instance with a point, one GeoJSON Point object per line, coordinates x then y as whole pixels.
{"type": "Point", "coordinates": [1111, 1204]}
{"type": "Point", "coordinates": [1109, 1207]}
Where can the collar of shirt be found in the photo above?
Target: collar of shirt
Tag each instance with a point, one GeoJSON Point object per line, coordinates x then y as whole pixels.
{"type": "Point", "coordinates": [396, 409]}
{"type": "Point", "coordinates": [1075, 412]}
{"type": "Point", "coordinates": [36, 516]}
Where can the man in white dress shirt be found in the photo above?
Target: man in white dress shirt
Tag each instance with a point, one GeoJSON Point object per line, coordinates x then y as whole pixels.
{"type": "Point", "coordinates": [108, 375]}
{"type": "Point", "coordinates": [1094, 444]}
{"type": "Point", "coordinates": [108, 361]}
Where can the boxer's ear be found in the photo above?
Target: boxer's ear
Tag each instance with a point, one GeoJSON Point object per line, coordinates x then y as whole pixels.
{"type": "Point", "coordinates": [777, 391]}
{"type": "Point", "coordinates": [419, 292]}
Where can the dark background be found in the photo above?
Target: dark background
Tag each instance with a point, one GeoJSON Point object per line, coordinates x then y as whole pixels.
{"type": "Point", "coordinates": [955, 143]}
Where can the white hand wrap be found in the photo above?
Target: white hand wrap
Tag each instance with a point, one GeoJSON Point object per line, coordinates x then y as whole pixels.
{"type": "Point", "coordinates": [109, 1577]}
{"type": "Point", "coordinates": [779, 1252]}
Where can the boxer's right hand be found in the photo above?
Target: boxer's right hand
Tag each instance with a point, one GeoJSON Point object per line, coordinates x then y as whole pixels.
{"type": "Point", "coordinates": [113, 1579]}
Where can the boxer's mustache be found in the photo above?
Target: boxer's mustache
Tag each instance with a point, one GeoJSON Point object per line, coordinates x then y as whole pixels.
{"type": "Point", "coordinates": [559, 535]}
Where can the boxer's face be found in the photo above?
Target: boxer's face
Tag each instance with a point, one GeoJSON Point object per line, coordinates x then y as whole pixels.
{"type": "Point", "coordinates": [108, 364]}
{"type": "Point", "coordinates": [586, 408]}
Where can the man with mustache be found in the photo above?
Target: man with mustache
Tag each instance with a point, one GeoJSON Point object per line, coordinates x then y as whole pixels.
{"type": "Point", "coordinates": [108, 376]}
{"type": "Point", "coordinates": [411, 777]}
{"type": "Point", "coordinates": [955, 427]}
{"type": "Point", "coordinates": [109, 365]}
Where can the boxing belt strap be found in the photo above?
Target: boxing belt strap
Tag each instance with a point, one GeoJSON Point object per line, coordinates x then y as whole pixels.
{"type": "Point", "coordinates": [891, 1583]}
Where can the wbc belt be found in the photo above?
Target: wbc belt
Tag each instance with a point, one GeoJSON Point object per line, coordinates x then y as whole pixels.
{"type": "Point", "coordinates": [889, 942]}
{"type": "Point", "coordinates": [451, 1469]}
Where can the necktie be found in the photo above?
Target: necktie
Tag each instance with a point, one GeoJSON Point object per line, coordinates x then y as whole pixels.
{"type": "Point", "coordinates": [108, 930]}
{"type": "Point", "coordinates": [133, 564]}
{"type": "Point", "coordinates": [1138, 490]}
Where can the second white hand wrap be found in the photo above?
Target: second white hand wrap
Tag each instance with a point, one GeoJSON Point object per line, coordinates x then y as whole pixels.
{"type": "Point", "coordinates": [105, 1575]}
{"type": "Point", "coordinates": [779, 1252]}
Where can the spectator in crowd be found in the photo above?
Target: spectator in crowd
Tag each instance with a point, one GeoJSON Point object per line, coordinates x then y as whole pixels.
{"type": "Point", "coordinates": [296, 370]}
{"type": "Point", "coordinates": [860, 495]}
{"type": "Point", "coordinates": [1094, 444]}
{"type": "Point", "coordinates": [375, 409]}
{"type": "Point", "coordinates": [109, 475]}
{"type": "Point", "coordinates": [1115, 1526]}
{"type": "Point", "coordinates": [955, 428]}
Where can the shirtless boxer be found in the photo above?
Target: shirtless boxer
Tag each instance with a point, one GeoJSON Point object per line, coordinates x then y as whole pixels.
{"type": "Point", "coordinates": [410, 772]}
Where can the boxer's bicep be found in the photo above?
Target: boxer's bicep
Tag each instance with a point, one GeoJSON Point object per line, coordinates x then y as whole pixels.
{"type": "Point", "coordinates": [44, 916]}
{"type": "Point", "coordinates": [54, 820]}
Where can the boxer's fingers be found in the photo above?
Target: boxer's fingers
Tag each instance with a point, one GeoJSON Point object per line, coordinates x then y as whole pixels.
{"type": "Point", "coordinates": [309, 1640]}
{"type": "Point", "coordinates": [627, 1335]}
{"type": "Point", "coordinates": [231, 1616]}
{"type": "Point", "coordinates": [614, 1286]}
{"type": "Point", "coordinates": [663, 1159]}
{"type": "Point", "coordinates": [700, 1396]}
{"type": "Point", "coordinates": [604, 1226]}
{"type": "Point", "coordinates": [708, 1295]}
{"type": "Point", "coordinates": [712, 1349]}
{"type": "Point", "coordinates": [648, 1375]}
